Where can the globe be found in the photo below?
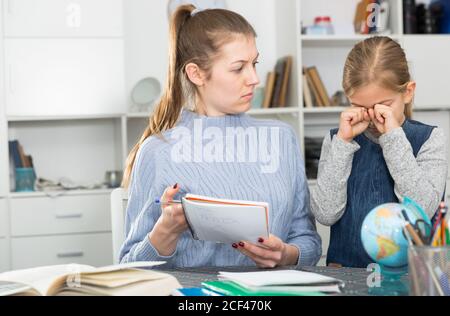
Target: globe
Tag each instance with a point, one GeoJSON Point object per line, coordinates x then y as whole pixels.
{"type": "Point", "coordinates": [383, 238]}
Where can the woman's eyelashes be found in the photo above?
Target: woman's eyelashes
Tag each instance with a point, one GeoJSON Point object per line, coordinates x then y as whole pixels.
{"type": "Point", "coordinates": [242, 67]}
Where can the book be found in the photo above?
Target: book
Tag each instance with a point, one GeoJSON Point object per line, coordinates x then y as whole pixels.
{"type": "Point", "coordinates": [279, 70]}
{"type": "Point", "coordinates": [284, 282]}
{"type": "Point", "coordinates": [322, 93]}
{"type": "Point", "coordinates": [226, 221]}
{"type": "Point", "coordinates": [75, 279]}
{"type": "Point", "coordinates": [270, 82]}
{"type": "Point", "coordinates": [307, 96]}
{"type": "Point", "coordinates": [314, 94]}
{"type": "Point", "coordinates": [230, 288]}
{"type": "Point", "coordinates": [361, 15]}
{"type": "Point", "coordinates": [14, 152]}
{"type": "Point", "coordinates": [195, 291]}
{"type": "Point", "coordinates": [285, 81]}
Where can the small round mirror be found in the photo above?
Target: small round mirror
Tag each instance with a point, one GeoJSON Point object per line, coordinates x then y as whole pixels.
{"type": "Point", "coordinates": [145, 93]}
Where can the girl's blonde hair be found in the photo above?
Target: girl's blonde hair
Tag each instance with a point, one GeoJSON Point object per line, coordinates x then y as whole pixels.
{"type": "Point", "coordinates": [193, 38]}
{"type": "Point", "coordinates": [378, 60]}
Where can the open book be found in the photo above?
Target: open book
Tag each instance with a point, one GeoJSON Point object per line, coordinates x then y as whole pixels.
{"type": "Point", "coordinates": [278, 282]}
{"type": "Point", "coordinates": [226, 221]}
{"type": "Point", "coordinates": [75, 279]}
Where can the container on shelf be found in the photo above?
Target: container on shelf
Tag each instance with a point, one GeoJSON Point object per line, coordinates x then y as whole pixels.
{"type": "Point", "coordinates": [25, 179]}
{"type": "Point", "coordinates": [322, 26]}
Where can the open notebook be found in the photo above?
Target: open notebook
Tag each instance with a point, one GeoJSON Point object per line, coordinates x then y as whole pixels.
{"type": "Point", "coordinates": [75, 279]}
{"type": "Point", "coordinates": [226, 221]}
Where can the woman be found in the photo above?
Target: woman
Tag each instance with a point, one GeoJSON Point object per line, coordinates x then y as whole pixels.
{"type": "Point", "coordinates": [378, 154]}
{"type": "Point", "coordinates": [211, 79]}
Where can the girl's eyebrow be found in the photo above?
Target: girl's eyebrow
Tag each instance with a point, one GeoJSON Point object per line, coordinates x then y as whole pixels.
{"type": "Point", "coordinates": [244, 61]}
{"type": "Point", "coordinates": [389, 100]}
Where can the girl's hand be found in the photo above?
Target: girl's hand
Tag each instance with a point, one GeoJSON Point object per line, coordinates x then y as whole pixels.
{"type": "Point", "coordinates": [269, 253]}
{"type": "Point", "coordinates": [170, 225]}
{"type": "Point", "coordinates": [172, 217]}
{"type": "Point", "coordinates": [353, 122]}
{"type": "Point", "coordinates": [383, 118]}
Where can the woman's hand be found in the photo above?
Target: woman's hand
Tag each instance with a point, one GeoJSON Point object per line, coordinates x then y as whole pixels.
{"type": "Point", "coordinates": [269, 253]}
{"type": "Point", "coordinates": [353, 122]}
{"type": "Point", "coordinates": [383, 118]}
{"type": "Point", "coordinates": [170, 225]}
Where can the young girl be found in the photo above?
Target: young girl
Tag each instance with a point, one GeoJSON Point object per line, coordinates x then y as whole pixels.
{"type": "Point", "coordinates": [378, 154]}
{"type": "Point", "coordinates": [210, 85]}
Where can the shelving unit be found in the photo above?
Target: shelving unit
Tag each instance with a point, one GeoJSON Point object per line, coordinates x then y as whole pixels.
{"type": "Point", "coordinates": [81, 134]}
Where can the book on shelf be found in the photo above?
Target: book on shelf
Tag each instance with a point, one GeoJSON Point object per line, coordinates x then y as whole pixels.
{"type": "Point", "coordinates": [285, 82]}
{"type": "Point", "coordinates": [20, 159]}
{"type": "Point", "coordinates": [307, 96]}
{"type": "Point", "coordinates": [361, 15]}
{"type": "Point", "coordinates": [320, 92]}
{"type": "Point", "coordinates": [226, 221]}
{"type": "Point", "coordinates": [15, 153]}
{"type": "Point", "coordinates": [270, 82]}
{"type": "Point", "coordinates": [315, 97]}
{"type": "Point", "coordinates": [129, 279]}
{"type": "Point", "coordinates": [272, 283]}
{"type": "Point", "coordinates": [282, 73]}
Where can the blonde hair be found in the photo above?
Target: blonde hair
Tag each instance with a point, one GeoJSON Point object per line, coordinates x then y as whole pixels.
{"type": "Point", "coordinates": [194, 37]}
{"type": "Point", "coordinates": [378, 60]}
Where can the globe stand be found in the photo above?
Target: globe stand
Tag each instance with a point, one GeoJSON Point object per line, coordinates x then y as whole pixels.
{"type": "Point", "coordinates": [391, 283]}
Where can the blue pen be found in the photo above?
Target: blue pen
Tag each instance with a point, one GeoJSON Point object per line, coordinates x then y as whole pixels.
{"type": "Point", "coordinates": [158, 201]}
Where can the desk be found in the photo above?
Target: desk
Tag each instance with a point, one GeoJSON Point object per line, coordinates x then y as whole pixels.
{"type": "Point", "coordinates": [355, 279]}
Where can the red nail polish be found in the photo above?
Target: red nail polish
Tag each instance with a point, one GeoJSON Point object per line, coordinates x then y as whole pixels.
{"type": "Point", "coordinates": [175, 186]}
{"type": "Point", "coordinates": [234, 246]}
{"type": "Point", "coordinates": [241, 244]}
{"type": "Point", "coordinates": [261, 240]}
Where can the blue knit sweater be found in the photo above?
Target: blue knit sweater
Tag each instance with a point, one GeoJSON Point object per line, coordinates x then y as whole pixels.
{"type": "Point", "coordinates": [232, 157]}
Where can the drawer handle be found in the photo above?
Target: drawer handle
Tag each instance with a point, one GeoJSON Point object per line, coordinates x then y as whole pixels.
{"type": "Point", "coordinates": [69, 216]}
{"type": "Point", "coordinates": [70, 255]}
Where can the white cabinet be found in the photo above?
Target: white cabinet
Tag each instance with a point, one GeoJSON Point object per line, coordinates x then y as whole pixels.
{"type": "Point", "coordinates": [4, 170]}
{"type": "Point", "coordinates": [62, 215]}
{"type": "Point", "coordinates": [60, 230]}
{"type": "Point", "coordinates": [4, 255]}
{"type": "Point", "coordinates": [3, 218]}
{"type": "Point", "coordinates": [63, 18]}
{"type": "Point", "coordinates": [91, 249]}
{"type": "Point", "coordinates": [430, 68]}
{"type": "Point", "coordinates": [64, 77]}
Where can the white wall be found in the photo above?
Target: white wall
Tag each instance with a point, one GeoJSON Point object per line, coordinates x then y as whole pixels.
{"type": "Point", "coordinates": [146, 37]}
{"type": "Point", "coordinates": [146, 44]}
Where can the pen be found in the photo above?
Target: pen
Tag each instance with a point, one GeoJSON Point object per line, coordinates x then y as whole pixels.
{"type": "Point", "coordinates": [158, 201]}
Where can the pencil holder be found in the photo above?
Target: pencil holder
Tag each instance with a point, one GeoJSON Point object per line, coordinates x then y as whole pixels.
{"type": "Point", "coordinates": [429, 270]}
{"type": "Point", "coordinates": [25, 179]}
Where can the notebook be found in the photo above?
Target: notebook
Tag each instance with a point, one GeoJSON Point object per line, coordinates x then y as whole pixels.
{"type": "Point", "coordinates": [75, 279]}
{"type": "Point", "coordinates": [284, 282]}
{"type": "Point", "coordinates": [226, 221]}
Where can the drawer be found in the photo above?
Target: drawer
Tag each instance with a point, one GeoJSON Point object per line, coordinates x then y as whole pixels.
{"type": "Point", "coordinates": [91, 249]}
{"type": "Point", "coordinates": [61, 215]}
{"type": "Point", "coordinates": [4, 255]}
{"type": "Point", "coordinates": [3, 218]}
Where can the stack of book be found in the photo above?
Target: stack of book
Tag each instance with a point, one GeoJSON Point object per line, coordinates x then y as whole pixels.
{"type": "Point", "coordinates": [372, 17]}
{"type": "Point", "coordinates": [18, 156]}
{"type": "Point", "coordinates": [130, 279]}
{"type": "Point", "coordinates": [314, 91]}
{"type": "Point", "coordinates": [274, 283]}
{"type": "Point", "coordinates": [277, 84]}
